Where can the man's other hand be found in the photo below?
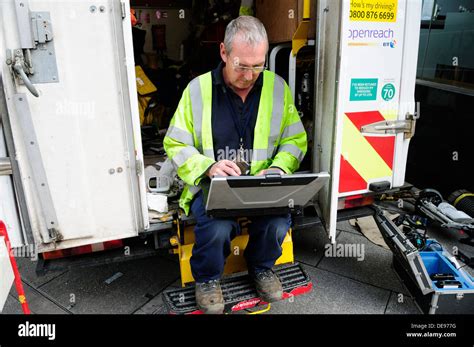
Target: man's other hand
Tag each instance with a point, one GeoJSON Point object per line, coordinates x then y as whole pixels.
{"type": "Point", "coordinates": [224, 168]}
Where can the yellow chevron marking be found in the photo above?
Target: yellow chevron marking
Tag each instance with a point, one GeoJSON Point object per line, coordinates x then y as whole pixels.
{"type": "Point", "coordinates": [361, 155]}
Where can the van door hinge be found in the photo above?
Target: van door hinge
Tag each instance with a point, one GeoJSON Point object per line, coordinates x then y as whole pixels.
{"type": "Point", "coordinates": [54, 235]}
{"type": "Point", "coordinates": [406, 126]}
{"type": "Point", "coordinates": [5, 166]}
{"type": "Point", "coordinates": [139, 165]}
{"type": "Point", "coordinates": [124, 12]}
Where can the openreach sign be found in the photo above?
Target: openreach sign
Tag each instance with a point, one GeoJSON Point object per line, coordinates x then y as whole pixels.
{"type": "Point", "coordinates": [373, 10]}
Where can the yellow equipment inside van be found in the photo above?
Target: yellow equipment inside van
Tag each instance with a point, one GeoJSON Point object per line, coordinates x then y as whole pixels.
{"type": "Point", "coordinates": [145, 89]}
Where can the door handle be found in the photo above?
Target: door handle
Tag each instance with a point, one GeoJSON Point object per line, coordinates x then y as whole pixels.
{"type": "Point", "coordinates": [18, 68]}
{"type": "Point", "coordinates": [5, 166]}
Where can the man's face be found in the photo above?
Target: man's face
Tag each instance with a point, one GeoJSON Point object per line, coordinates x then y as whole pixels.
{"type": "Point", "coordinates": [242, 56]}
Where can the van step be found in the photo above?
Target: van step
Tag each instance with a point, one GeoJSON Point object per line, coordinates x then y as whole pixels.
{"type": "Point", "coordinates": [239, 291]}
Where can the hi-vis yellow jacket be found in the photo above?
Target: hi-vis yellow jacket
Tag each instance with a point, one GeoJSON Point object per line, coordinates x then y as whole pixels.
{"type": "Point", "coordinates": [279, 136]}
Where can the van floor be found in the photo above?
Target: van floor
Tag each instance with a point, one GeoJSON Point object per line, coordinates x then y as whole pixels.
{"type": "Point", "coordinates": [340, 285]}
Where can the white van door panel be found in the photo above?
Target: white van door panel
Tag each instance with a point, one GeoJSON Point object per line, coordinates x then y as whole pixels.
{"type": "Point", "coordinates": [365, 74]}
{"type": "Point", "coordinates": [87, 155]}
{"type": "Point", "coordinates": [379, 49]}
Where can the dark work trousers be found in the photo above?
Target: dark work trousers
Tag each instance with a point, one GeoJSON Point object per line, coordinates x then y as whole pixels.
{"type": "Point", "coordinates": [213, 238]}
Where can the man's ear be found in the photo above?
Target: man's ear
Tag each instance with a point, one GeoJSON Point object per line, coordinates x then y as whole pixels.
{"type": "Point", "coordinates": [223, 53]}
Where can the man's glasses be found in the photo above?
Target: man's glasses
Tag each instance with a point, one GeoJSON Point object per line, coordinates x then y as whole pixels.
{"type": "Point", "coordinates": [254, 69]}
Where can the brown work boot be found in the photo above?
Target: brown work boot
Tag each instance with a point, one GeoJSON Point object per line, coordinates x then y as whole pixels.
{"type": "Point", "coordinates": [268, 286]}
{"type": "Point", "coordinates": [209, 297]}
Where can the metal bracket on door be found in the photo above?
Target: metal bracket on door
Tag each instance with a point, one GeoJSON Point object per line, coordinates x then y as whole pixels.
{"type": "Point", "coordinates": [406, 126]}
{"type": "Point", "coordinates": [14, 167]}
{"type": "Point", "coordinates": [37, 169]}
{"type": "Point", "coordinates": [35, 61]}
{"type": "Point", "coordinates": [5, 166]}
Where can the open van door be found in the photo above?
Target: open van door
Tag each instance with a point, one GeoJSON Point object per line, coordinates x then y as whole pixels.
{"type": "Point", "coordinates": [367, 57]}
{"type": "Point", "coordinates": [69, 81]}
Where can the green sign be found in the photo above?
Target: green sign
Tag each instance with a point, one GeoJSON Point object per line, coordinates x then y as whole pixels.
{"type": "Point", "coordinates": [363, 89]}
{"type": "Point", "coordinates": [388, 92]}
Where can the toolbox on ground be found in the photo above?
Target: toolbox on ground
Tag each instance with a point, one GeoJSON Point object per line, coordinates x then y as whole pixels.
{"type": "Point", "coordinates": [454, 295]}
{"type": "Point", "coordinates": [434, 278]}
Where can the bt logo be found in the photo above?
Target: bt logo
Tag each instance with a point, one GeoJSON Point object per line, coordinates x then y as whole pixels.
{"type": "Point", "coordinates": [390, 44]}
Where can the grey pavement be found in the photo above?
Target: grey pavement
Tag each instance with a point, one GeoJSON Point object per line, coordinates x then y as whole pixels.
{"type": "Point", "coordinates": [341, 285]}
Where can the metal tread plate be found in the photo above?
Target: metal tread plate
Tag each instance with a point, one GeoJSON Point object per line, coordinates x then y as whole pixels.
{"type": "Point", "coordinates": [239, 291]}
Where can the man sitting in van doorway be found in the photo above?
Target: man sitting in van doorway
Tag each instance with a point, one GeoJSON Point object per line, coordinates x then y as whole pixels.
{"type": "Point", "coordinates": [238, 119]}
